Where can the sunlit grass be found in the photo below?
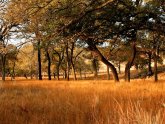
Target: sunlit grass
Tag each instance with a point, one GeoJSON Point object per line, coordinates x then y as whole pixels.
{"type": "Point", "coordinates": [82, 102]}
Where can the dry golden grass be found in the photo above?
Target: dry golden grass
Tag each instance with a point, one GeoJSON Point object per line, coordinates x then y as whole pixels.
{"type": "Point", "coordinates": [82, 102]}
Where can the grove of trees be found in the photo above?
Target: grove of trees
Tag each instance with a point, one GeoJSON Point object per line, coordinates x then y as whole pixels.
{"type": "Point", "coordinates": [61, 35]}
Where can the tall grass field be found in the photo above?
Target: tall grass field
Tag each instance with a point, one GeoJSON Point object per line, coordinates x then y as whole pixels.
{"type": "Point", "coordinates": [82, 102]}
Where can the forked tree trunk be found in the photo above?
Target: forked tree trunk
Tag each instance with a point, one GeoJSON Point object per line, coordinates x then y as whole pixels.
{"type": "Point", "coordinates": [94, 49]}
{"type": "Point", "coordinates": [130, 63]}
{"type": "Point", "coordinates": [39, 61]}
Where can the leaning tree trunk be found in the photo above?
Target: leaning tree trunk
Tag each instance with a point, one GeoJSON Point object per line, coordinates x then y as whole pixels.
{"type": "Point", "coordinates": [111, 66]}
{"type": "Point", "coordinates": [49, 65]}
{"type": "Point", "coordinates": [130, 63]}
{"type": "Point", "coordinates": [39, 61]}
{"type": "Point", "coordinates": [94, 49]}
{"type": "Point", "coordinates": [3, 58]}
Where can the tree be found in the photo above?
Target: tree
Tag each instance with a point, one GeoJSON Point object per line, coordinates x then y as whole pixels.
{"type": "Point", "coordinates": [5, 47]}
{"type": "Point", "coordinates": [92, 22]}
{"type": "Point", "coordinates": [58, 58]}
{"type": "Point", "coordinates": [22, 13]}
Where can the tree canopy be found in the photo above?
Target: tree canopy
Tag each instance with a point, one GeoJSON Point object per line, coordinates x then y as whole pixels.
{"type": "Point", "coordinates": [106, 28]}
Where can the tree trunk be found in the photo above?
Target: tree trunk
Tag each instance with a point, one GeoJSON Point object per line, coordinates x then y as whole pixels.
{"type": "Point", "coordinates": [39, 61]}
{"type": "Point", "coordinates": [155, 65]}
{"type": "Point", "coordinates": [127, 72]}
{"type": "Point", "coordinates": [85, 76]}
{"type": "Point", "coordinates": [130, 63]}
{"type": "Point", "coordinates": [94, 49]}
{"type": "Point", "coordinates": [74, 72]}
{"type": "Point", "coordinates": [67, 60]}
{"type": "Point", "coordinates": [108, 73]}
{"type": "Point", "coordinates": [80, 73]}
{"type": "Point", "coordinates": [3, 57]}
{"type": "Point", "coordinates": [111, 66]}
{"type": "Point", "coordinates": [150, 73]}
{"type": "Point", "coordinates": [49, 65]}
{"type": "Point", "coordinates": [13, 71]}
{"type": "Point", "coordinates": [36, 72]}
{"type": "Point", "coordinates": [94, 65]}
{"type": "Point", "coordinates": [119, 67]}
{"type": "Point", "coordinates": [65, 74]}
{"type": "Point", "coordinates": [71, 60]}
{"type": "Point", "coordinates": [54, 75]}
{"type": "Point", "coordinates": [58, 71]}
{"type": "Point", "coordinates": [58, 67]}
{"type": "Point", "coordinates": [31, 74]}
